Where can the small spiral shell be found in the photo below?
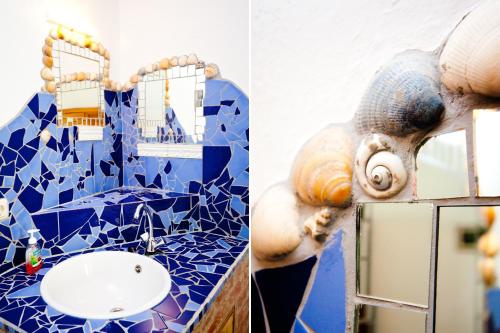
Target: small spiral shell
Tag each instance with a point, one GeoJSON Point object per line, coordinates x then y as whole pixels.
{"type": "Point", "coordinates": [322, 171]}
{"type": "Point", "coordinates": [380, 172]}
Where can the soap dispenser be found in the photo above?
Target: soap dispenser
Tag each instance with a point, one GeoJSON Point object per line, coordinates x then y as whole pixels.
{"type": "Point", "coordinates": [33, 255]}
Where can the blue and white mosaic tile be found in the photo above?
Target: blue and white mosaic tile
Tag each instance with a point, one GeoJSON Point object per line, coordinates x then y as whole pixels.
{"type": "Point", "coordinates": [197, 263]}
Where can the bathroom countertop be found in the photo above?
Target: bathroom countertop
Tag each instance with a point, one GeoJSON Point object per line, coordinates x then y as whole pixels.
{"type": "Point", "coordinates": [199, 264]}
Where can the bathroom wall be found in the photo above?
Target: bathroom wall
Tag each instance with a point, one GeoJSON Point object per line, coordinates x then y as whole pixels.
{"type": "Point", "coordinates": [313, 69]}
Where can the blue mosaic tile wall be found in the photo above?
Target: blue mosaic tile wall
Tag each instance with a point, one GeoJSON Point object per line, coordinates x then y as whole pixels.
{"type": "Point", "coordinates": [35, 175]}
{"type": "Point", "coordinates": [220, 178]}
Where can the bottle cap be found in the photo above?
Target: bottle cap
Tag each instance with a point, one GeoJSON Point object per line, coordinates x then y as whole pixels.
{"type": "Point", "coordinates": [32, 239]}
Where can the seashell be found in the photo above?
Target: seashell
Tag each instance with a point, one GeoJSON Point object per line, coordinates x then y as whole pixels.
{"type": "Point", "coordinates": [156, 66]}
{"type": "Point", "coordinates": [488, 244]}
{"type": "Point", "coordinates": [488, 271]}
{"type": "Point", "coordinates": [50, 86]}
{"type": "Point", "coordinates": [93, 77]}
{"type": "Point", "coordinates": [94, 47]}
{"type": "Point", "coordinates": [469, 60]}
{"type": "Point", "coordinates": [42, 88]}
{"type": "Point", "coordinates": [316, 225]}
{"type": "Point", "coordinates": [53, 33]}
{"type": "Point", "coordinates": [322, 171]}
{"type": "Point", "coordinates": [48, 61]}
{"type": "Point", "coordinates": [164, 63]}
{"type": "Point", "coordinates": [118, 87]}
{"type": "Point", "coordinates": [403, 97]}
{"type": "Point", "coordinates": [182, 60]}
{"type": "Point", "coordinates": [149, 68]}
{"type": "Point", "coordinates": [49, 41]}
{"type": "Point", "coordinates": [105, 72]}
{"type": "Point", "coordinates": [141, 71]}
{"type": "Point", "coordinates": [107, 56]}
{"type": "Point", "coordinates": [212, 71]}
{"type": "Point", "coordinates": [100, 49]}
{"type": "Point", "coordinates": [87, 41]}
{"type": "Point", "coordinates": [114, 85]}
{"type": "Point", "coordinates": [275, 223]}
{"type": "Point", "coordinates": [134, 79]}
{"type": "Point", "coordinates": [106, 63]}
{"type": "Point", "coordinates": [87, 76]}
{"type": "Point", "coordinates": [107, 83]}
{"type": "Point", "coordinates": [192, 59]}
{"type": "Point", "coordinates": [174, 61]}
{"type": "Point", "coordinates": [73, 77]}
{"type": "Point", "coordinates": [45, 135]}
{"type": "Point", "coordinates": [127, 86]}
{"type": "Point", "coordinates": [47, 50]}
{"type": "Point", "coordinates": [46, 74]}
{"type": "Point", "coordinates": [80, 76]}
{"type": "Point", "coordinates": [380, 172]}
{"type": "Point", "coordinates": [489, 215]}
{"type": "Point", "coordinates": [62, 79]}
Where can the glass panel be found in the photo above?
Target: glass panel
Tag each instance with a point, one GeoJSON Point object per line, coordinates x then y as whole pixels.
{"type": "Point", "coordinates": [167, 106]}
{"type": "Point", "coordinates": [394, 251]}
{"type": "Point", "coordinates": [374, 319]}
{"type": "Point", "coordinates": [466, 300]}
{"type": "Point", "coordinates": [443, 158]}
{"type": "Point", "coordinates": [487, 158]}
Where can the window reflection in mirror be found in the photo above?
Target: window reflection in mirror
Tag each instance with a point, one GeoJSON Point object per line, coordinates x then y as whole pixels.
{"type": "Point", "coordinates": [170, 106]}
{"type": "Point", "coordinates": [467, 293]}
{"type": "Point", "coordinates": [79, 96]}
{"type": "Point", "coordinates": [443, 158]}
{"type": "Point", "coordinates": [394, 245]}
{"type": "Point", "coordinates": [487, 160]}
{"type": "Point", "coordinates": [374, 319]}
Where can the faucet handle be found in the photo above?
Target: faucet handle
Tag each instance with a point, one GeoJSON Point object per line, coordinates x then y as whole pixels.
{"type": "Point", "coordinates": [145, 236]}
{"type": "Point", "coordinates": [160, 242]}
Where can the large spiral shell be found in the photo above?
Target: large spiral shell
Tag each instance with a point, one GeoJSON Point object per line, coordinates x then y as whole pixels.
{"type": "Point", "coordinates": [275, 223]}
{"type": "Point", "coordinates": [322, 171]}
{"type": "Point", "coordinates": [380, 172]}
{"type": "Point", "coordinates": [403, 97]}
{"type": "Point", "coordinates": [470, 60]}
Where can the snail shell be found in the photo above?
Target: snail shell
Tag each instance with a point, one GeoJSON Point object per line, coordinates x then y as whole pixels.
{"type": "Point", "coordinates": [380, 172]}
{"type": "Point", "coordinates": [470, 60]}
{"type": "Point", "coordinates": [322, 171]}
{"type": "Point", "coordinates": [403, 97]}
{"type": "Point", "coordinates": [275, 223]}
{"type": "Point", "coordinates": [212, 71]}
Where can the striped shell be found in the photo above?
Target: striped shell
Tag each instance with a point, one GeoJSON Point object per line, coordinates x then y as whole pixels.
{"type": "Point", "coordinates": [322, 171]}
{"type": "Point", "coordinates": [403, 97]}
{"type": "Point", "coordinates": [470, 60]}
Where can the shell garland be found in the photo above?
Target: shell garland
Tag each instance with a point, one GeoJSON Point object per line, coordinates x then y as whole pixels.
{"type": "Point", "coordinates": [380, 172]}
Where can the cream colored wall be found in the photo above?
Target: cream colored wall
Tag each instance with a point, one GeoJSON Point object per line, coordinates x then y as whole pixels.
{"type": "Point", "coordinates": [312, 60]}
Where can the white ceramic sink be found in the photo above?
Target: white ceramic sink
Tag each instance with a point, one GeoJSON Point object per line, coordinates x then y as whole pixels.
{"type": "Point", "coordinates": [105, 285]}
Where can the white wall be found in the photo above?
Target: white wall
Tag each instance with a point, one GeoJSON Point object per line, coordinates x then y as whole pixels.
{"type": "Point", "coordinates": [312, 60]}
{"type": "Point", "coordinates": [136, 33]}
{"type": "Point", "coordinates": [217, 31]}
{"type": "Point", "coordinates": [24, 27]}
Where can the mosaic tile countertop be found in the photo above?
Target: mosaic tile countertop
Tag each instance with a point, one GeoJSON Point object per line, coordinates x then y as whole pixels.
{"type": "Point", "coordinates": [116, 196]}
{"type": "Point", "coordinates": [199, 264]}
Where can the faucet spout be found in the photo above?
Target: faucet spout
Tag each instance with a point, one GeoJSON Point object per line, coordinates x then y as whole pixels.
{"type": "Point", "coordinates": [146, 210]}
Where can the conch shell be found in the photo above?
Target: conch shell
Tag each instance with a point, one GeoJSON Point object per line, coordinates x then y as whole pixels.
{"type": "Point", "coordinates": [488, 271]}
{"type": "Point", "coordinates": [275, 223]}
{"type": "Point", "coordinates": [488, 244]}
{"type": "Point", "coordinates": [380, 172]}
{"type": "Point", "coordinates": [322, 171]}
{"type": "Point", "coordinates": [470, 60]}
{"type": "Point", "coordinates": [403, 97]}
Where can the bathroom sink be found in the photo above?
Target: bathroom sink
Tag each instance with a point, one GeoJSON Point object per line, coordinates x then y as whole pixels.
{"type": "Point", "coordinates": [105, 285]}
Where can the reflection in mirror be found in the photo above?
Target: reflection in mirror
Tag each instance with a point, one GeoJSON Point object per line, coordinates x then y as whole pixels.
{"type": "Point", "coordinates": [79, 96]}
{"type": "Point", "coordinates": [487, 160]}
{"type": "Point", "coordinates": [394, 245]}
{"type": "Point", "coordinates": [374, 319]}
{"type": "Point", "coordinates": [467, 293]}
{"type": "Point", "coordinates": [443, 158]}
{"type": "Point", "coordinates": [171, 107]}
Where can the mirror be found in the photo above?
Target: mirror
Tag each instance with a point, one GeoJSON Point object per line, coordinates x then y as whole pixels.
{"type": "Point", "coordinates": [486, 141]}
{"type": "Point", "coordinates": [467, 293]}
{"type": "Point", "coordinates": [374, 319]}
{"type": "Point", "coordinates": [171, 106]}
{"type": "Point", "coordinates": [443, 158]}
{"type": "Point", "coordinates": [79, 97]}
{"type": "Point", "coordinates": [394, 248]}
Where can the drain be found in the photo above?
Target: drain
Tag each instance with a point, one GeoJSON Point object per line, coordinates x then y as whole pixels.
{"type": "Point", "coordinates": [116, 309]}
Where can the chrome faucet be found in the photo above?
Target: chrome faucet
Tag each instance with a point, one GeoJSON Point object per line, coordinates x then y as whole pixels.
{"type": "Point", "coordinates": [148, 237]}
